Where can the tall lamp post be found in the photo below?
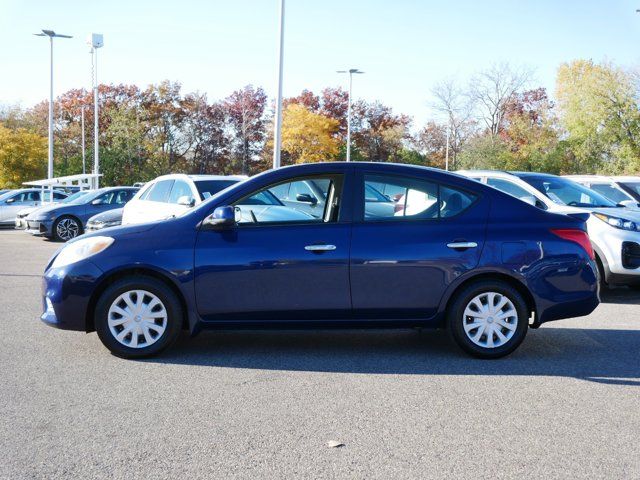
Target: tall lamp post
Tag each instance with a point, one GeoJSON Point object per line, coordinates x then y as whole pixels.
{"type": "Point", "coordinates": [277, 129]}
{"type": "Point", "coordinates": [351, 71]}
{"type": "Point", "coordinates": [95, 41]}
{"type": "Point", "coordinates": [51, 34]}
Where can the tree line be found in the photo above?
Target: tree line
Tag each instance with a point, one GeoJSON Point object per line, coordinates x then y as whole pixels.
{"type": "Point", "coordinates": [496, 119]}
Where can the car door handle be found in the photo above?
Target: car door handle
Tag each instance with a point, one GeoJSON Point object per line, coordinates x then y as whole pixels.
{"type": "Point", "coordinates": [462, 245]}
{"type": "Point", "coordinates": [319, 248]}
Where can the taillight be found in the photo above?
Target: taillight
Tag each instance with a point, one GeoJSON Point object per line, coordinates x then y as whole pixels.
{"type": "Point", "coordinates": [577, 236]}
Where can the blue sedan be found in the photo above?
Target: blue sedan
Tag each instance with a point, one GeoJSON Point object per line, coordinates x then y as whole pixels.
{"type": "Point", "coordinates": [451, 253]}
{"type": "Point", "coordinates": [65, 221]}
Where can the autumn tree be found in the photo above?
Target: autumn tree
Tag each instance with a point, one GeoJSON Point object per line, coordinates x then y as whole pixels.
{"type": "Point", "coordinates": [308, 136]}
{"type": "Point", "coordinates": [599, 107]}
{"type": "Point", "coordinates": [23, 156]}
{"type": "Point", "coordinates": [378, 133]}
{"type": "Point", "coordinates": [245, 110]}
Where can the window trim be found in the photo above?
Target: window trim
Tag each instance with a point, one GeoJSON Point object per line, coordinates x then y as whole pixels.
{"type": "Point", "coordinates": [358, 199]}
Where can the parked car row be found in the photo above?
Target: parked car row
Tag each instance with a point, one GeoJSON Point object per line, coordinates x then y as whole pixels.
{"type": "Point", "coordinates": [613, 226]}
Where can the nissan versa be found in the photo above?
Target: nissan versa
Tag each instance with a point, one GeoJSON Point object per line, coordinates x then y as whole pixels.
{"type": "Point", "coordinates": [452, 253]}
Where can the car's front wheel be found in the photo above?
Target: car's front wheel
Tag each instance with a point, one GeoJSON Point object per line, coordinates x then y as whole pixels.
{"type": "Point", "coordinates": [488, 319]}
{"type": "Point", "coordinates": [138, 317]}
{"type": "Point", "coordinates": [66, 228]}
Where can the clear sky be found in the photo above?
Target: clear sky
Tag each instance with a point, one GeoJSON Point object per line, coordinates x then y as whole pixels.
{"type": "Point", "coordinates": [216, 46]}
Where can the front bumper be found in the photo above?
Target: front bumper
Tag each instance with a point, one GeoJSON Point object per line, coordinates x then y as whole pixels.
{"type": "Point", "coordinates": [66, 295]}
{"type": "Point", "coordinates": [39, 227]}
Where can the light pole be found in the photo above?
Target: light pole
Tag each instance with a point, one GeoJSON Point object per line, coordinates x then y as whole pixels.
{"type": "Point", "coordinates": [446, 156]}
{"type": "Point", "coordinates": [84, 168]}
{"type": "Point", "coordinates": [51, 34]}
{"type": "Point", "coordinates": [351, 71]}
{"type": "Point", "coordinates": [95, 41]}
{"type": "Point", "coordinates": [277, 129]}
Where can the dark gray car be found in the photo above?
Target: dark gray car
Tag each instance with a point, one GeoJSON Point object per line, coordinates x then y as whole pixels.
{"type": "Point", "coordinates": [111, 218]}
{"type": "Point", "coordinates": [66, 221]}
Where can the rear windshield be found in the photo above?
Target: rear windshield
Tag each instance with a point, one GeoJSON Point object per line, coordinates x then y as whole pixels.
{"type": "Point", "coordinates": [567, 192]}
{"type": "Point", "coordinates": [208, 188]}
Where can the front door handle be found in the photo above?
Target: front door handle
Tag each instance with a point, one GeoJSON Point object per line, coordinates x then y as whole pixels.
{"type": "Point", "coordinates": [319, 248]}
{"type": "Point", "coordinates": [462, 245]}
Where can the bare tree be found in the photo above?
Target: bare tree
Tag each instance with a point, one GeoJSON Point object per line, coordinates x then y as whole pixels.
{"type": "Point", "coordinates": [491, 90]}
{"type": "Point", "coordinates": [454, 104]}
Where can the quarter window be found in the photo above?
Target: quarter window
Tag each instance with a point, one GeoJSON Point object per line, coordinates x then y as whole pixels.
{"type": "Point", "coordinates": [391, 197]}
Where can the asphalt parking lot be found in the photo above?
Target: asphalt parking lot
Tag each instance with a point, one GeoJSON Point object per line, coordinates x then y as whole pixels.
{"type": "Point", "coordinates": [406, 404]}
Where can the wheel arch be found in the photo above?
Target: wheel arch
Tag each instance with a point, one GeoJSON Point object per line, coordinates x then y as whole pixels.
{"type": "Point", "coordinates": [501, 276]}
{"type": "Point", "coordinates": [124, 273]}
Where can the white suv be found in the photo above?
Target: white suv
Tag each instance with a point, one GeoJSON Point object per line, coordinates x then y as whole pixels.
{"type": "Point", "coordinates": [614, 230]}
{"type": "Point", "coordinates": [171, 195]}
{"type": "Point", "coordinates": [622, 190]}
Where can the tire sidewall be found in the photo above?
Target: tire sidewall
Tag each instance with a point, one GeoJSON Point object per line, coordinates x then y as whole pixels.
{"type": "Point", "coordinates": [57, 222]}
{"type": "Point", "coordinates": [455, 317]}
{"type": "Point", "coordinates": [166, 296]}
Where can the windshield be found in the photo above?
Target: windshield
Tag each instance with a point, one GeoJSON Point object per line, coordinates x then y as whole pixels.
{"type": "Point", "coordinates": [633, 186]}
{"type": "Point", "coordinates": [84, 198]}
{"type": "Point", "coordinates": [75, 196]}
{"type": "Point", "coordinates": [208, 188]}
{"type": "Point", "coordinates": [7, 194]}
{"type": "Point", "coordinates": [566, 192]}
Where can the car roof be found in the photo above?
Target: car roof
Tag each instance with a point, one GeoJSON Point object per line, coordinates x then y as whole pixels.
{"type": "Point", "coordinates": [196, 178]}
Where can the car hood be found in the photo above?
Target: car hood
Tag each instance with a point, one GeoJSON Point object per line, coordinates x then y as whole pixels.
{"type": "Point", "coordinates": [620, 212]}
{"type": "Point", "coordinates": [108, 216]}
{"type": "Point", "coordinates": [26, 211]}
{"type": "Point", "coordinates": [122, 231]}
{"type": "Point", "coordinates": [50, 209]}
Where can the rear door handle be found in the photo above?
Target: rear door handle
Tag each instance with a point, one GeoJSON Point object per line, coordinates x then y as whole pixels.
{"type": "Point", "coordinates": [319, 248]}
{"type": "Point", "coordinates": [462, 245]}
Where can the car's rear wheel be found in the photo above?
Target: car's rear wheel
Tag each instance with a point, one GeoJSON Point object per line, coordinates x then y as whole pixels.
{"type": "Point", "coordinates": [488, 319]}
{"type": "Point", "coordinates": [138, 317]}
{"type": "Point", "coordinates": [66, 228]}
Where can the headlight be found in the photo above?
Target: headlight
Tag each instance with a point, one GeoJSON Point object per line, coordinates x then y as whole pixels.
{"type": "Point", "coordinates": [620, 223]}
{"type": "Point", "coordinates": [81, 249]}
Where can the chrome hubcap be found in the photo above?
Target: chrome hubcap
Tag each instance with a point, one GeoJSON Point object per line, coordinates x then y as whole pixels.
{"type": "Point", "coordinates": [67, 229]}
{"type": "Point", "coordinates": [490, 320]}
{"type": "Point", "coordinates": [137, 319]}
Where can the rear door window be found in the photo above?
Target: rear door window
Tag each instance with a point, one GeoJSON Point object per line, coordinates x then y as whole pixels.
{"type": "Point", "coordinates": [409, 197]}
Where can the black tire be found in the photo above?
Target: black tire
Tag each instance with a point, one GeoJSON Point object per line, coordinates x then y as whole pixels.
{"type": "Point", "coordinates": [174, 317]}
{"type": "Point", "coordinates": [604, 286]}
{"type": "Point", "coordinates": [73, 224]}
{"type": "Point", "coordinates": [456, 319]}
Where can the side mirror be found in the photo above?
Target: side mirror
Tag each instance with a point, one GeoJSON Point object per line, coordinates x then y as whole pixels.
{"type": "Point", "coordinates": [221, 218]}
{"type": "Point", "coordinates": [10, 200]}
{"type": "Point", "coordinates": [306, 198]}
{"type": "Point", "coordinates": [530, 199]}
{"type": "Point", "coordinates": [186, 201]}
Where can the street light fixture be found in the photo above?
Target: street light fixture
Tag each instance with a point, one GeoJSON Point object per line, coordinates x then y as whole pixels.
{"type": "Point", "coordinates": [351, 72]}
{"type": "Point", "coordinates": [51, 34]}
{"type": "Point", "coordinates": [95, 41]}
